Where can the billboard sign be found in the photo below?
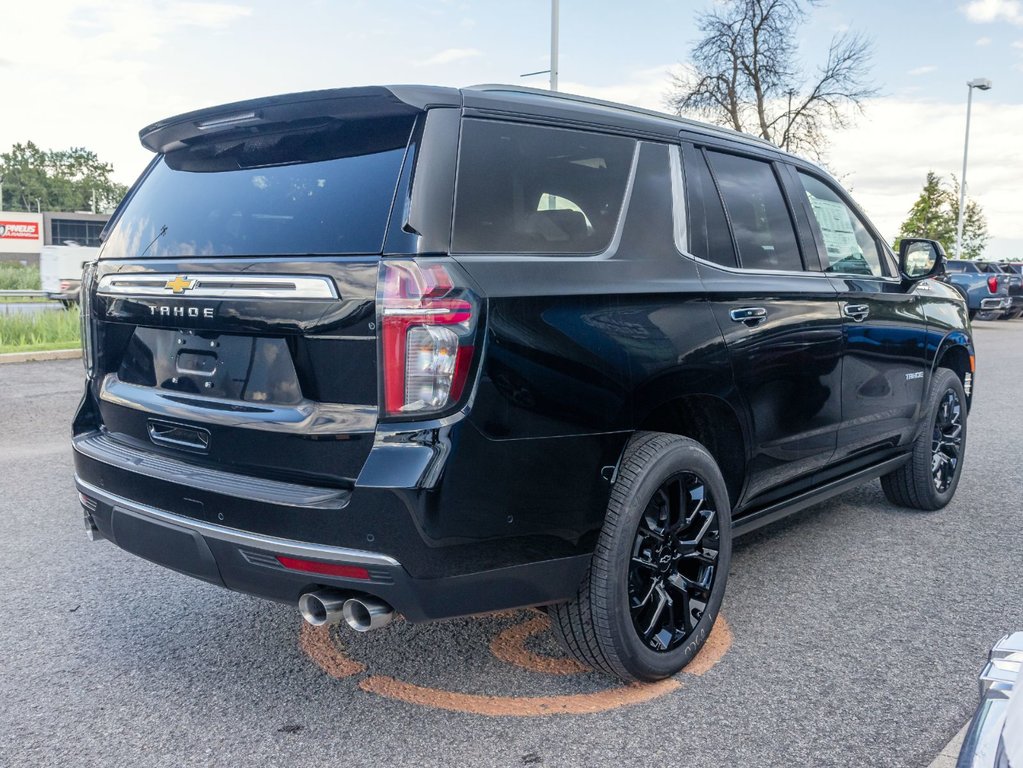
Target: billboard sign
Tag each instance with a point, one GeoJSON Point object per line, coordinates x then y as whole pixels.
{"type": "Point", "coordinates": [21, 232]}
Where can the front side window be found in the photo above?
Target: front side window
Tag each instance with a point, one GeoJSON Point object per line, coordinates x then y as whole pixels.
{"type": "Point", "coordinates": [532, 189]}
{"type": "Point", "coordinates": [757, 212]}
{"type": "Point", "coordinates": [851, 249]}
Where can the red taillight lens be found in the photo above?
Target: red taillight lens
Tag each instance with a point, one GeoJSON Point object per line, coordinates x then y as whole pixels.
{"type": "Point", "coordinates": [992, 284]}
{"type": "Point", "coordinates": [328, 569]}
{"type": "Point", "coordinates": [427, 326]}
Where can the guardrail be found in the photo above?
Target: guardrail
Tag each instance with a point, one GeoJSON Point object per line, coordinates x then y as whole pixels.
{"type": "Point", "coordinates": [24, 294]}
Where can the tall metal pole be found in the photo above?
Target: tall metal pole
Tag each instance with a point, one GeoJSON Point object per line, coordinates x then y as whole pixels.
{"type": "Point", "coordinates": [554, 45]}
{"type": "Point", "coordinates": [982, 84]}
{"type": "Point", "coordinates": [962, 179]}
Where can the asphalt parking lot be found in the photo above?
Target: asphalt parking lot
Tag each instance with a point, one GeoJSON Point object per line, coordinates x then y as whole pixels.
{"type": "Point", "coordinates": [853, 635]}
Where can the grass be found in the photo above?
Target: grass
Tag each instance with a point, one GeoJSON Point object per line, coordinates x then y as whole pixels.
{"type": "Point", "coordinates": [40, 330]}
{"type": "Point", "coordinates": [15, 277]}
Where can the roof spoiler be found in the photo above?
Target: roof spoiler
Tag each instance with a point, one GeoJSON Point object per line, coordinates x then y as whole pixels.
{"type": "Point", "coordinates": [276, 112]}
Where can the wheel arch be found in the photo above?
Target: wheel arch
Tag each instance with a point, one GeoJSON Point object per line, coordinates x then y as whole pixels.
{"type": "Point", "coordinates": [956, 353]}
{"type": "Point", "coordinates": [712, 422]}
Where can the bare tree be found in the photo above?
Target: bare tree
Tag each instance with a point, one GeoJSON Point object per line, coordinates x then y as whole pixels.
{"type": "Point", "coordinates": [745, 75]}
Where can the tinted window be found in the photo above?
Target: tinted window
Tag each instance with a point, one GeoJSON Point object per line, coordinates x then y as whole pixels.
{"type": "Point", "coordinates": [709, 236]}
{"type": "Point", "coordinates": [528, 189]}
{"type": "Point", "coordinates": [850, 247]}
{"type": "Point", "coordinates": [327, 191]}
{"type": "Point", "coordinates": [757, 211]}
{"type": "Point", "coordinates": [955, 266]}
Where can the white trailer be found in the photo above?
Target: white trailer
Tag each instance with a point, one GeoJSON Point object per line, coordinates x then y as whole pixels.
{"type": "Point", "coordinates": [60, 270]}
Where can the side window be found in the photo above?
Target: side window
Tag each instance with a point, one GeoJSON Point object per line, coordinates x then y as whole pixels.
{"type": "Point", "coordinates": [531, 189]}
{"type": "Point", "coordinates": [851, 249]}
{"type": "Point", "coordinates": [709, 238]}
{"type": "Point", "coordinates": [757, 211]}
{"type": "Point", "coordinates": [954, 266]}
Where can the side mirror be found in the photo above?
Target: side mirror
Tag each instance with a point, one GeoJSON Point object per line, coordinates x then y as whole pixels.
{"type": "Point", "coordinates": [920, 258]}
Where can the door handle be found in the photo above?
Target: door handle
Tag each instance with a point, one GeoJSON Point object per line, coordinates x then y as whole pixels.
{"type": "Point", "coordinates": [749, 316]}
{"type": "Point", "coordinates": [857, 312]}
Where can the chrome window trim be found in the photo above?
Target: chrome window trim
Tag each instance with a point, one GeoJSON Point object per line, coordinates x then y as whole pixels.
{"type": "Point", "coordinates": [616, 239]}
{"type": "Point", "coordinates": [678, 199]}
{"type": "Point", "coordinates": [235, 536]}
{"type": "Point", "coordinates": [218, 286]}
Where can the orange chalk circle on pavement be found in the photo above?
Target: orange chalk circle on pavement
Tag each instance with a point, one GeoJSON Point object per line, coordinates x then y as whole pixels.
{"type": "Point", "coordinates": [509, 646]}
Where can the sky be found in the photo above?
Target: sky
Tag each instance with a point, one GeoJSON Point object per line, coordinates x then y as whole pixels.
{"type": "Point", "coordinates": [93, 72]}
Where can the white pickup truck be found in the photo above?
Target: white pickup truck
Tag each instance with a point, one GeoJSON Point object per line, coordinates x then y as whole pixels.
{"type": "Point", "coordinates": [60, 270]}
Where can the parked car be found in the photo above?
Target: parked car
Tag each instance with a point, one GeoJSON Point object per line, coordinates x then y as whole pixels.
{"type": "Point", "coordinates": [995, 736]}
{"type": "Point", "coordinates": [60, 270]}
{"type": "Point", "coordinates": [446, 352]}
{"type": "Point", "coordinates": [983, 285]}
{"type": "Point", "coordinates": [1014, 272]}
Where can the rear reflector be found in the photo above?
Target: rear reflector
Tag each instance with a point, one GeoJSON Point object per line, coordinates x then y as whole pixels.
{"type": "Point", "coordinates": [327, 569]}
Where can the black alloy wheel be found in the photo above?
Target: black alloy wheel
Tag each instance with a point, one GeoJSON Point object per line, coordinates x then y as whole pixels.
{"type": "Point", "coordinates": [928, 480]}
{"type": "Point", "coordinates": [674, 562]}
{"type": "Point", "coordinates": [660, 567]}
{"type": "Point", "coordinates": [947, 440]}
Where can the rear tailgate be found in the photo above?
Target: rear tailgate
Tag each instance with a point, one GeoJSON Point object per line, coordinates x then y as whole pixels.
{"type": "Point", "coordinates": [233, 315]}
{"type": "Point", "coordinates": [276, 386]}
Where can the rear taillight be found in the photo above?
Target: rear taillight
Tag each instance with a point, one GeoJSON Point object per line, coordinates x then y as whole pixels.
{"type": "Point", "coordinates": [85, 307]}
{"type": "Point", "coordinates": [992, 284]}
{"type": "Point", "coordinates": [427, 331]}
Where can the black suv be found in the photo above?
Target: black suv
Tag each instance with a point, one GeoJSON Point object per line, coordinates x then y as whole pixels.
{"type": "Point", "coordinates": [445, 352]}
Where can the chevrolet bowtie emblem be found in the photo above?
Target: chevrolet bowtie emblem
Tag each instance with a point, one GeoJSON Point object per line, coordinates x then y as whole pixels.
{"type": "Point", "coordinates": [179, 284]}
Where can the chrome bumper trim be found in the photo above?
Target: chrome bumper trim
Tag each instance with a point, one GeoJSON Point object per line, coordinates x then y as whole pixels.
{"type": "Point", "coordinates": [986, 304]}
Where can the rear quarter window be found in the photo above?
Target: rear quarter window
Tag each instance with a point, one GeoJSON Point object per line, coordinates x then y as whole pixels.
{"type": "Point", "coordinates": [538, 190]}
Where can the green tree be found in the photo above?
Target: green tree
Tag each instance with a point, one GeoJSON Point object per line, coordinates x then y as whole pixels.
{"type": "Point", "coordinates": [60, 180]}
{"type": "Point", "coordinates": [935, 214]}
{"type": "Point", "coordinates": [975, 235]}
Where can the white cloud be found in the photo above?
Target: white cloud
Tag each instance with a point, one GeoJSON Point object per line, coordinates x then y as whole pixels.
{"type": "Point", "coordinates": [210, 15]}
{"type": "Point", "coordinates": [921, 70]}
{"type": "Point", "coordinates": [886, 156]}
{"type": "Point", "coordinates": [101, 66]}
{"type": "Point", "coordinates": [983, 41]}
{"type": "Point", "coordinates": [450, 55]}
{"type": "Point", "coordinates": [986, 11]}
{"type": "Point", "coordinates": [646, 88]}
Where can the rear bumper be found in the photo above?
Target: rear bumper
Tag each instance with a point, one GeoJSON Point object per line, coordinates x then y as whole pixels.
{"type": "Point", "coordinates": [995, 303]}
{"type": "Point", "coordinates": [247, 562]}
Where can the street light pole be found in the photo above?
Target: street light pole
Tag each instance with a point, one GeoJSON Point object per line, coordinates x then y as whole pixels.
{"type": "Point", "coordinates": [984, 85]}
{"type": "Point", "coordinates": [554, 44]}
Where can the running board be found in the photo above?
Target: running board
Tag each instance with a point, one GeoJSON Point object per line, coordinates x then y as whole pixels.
{"type": "Point", "coordinates": [778, 510]}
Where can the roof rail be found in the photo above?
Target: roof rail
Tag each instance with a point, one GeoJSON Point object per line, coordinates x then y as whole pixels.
{"type": "Point", "coordinates": [683, 121]}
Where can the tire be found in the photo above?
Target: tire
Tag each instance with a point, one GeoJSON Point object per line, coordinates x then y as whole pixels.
{"type": "Point", "coordinates": [664, 482]}
{"type": "Point", "coordinates": [972, 313]}
{"type": "Point", "coordinates": [928, 481]}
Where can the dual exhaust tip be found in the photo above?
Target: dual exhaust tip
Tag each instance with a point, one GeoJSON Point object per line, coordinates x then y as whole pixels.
{"type": "Point", "coordinates": [326, 606]}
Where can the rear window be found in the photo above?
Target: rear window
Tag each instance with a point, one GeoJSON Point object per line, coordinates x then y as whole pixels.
{"type": "Point", "coordinates": [531, 189]}
{"type": "Point", "coordinates": [324, 190]}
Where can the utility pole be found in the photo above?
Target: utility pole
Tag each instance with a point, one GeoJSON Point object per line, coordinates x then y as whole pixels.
{"type": "Point", "coordinates": [554, 44]}
{"type": "Point", "coordinates": [981, 84]}
{"type": "Point", "coordinates": [554, 49]}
